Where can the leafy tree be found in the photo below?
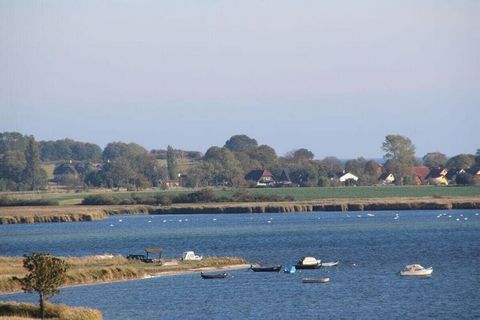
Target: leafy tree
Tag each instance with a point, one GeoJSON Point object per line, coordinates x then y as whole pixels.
{"type": "Point", "coordinates": [461, 161]}
{"type": "Point", "coordinates": [434, 160]}
{"type": "Point", "coordinates": [264, 154]}
{"type": "Point", "coordinates": [329, 166]}
{"type": "Point", "coordinates": [33, 175]}
{"type": "Point", "coordinates": [224, 167]}
{"type": "Point", "coordinates": [400, 149]}
{"type": "Point", "coordinates": [171, 163]}
{"type": "Point", "coordinates": [305, 175]}
{"type": "Point", "coordinates": [46, 275]}
{"type": "Point", "coordinates": [300, 155]}
{"type": "Point", "coordinates": [400, 155]}
{"type": "Point", "coordinates": [240, 142]}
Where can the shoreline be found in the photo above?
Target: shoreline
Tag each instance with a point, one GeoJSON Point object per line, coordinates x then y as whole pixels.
{"type": "Point", "coordinates": [150, 276]}
{"type": "Point", "coordinates": [79, 213]}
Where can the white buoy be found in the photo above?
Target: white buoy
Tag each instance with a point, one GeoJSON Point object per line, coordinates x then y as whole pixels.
{"type": "Point", "coordinates": [149, 221]}
{"type": "Point", "coordinates": [458, 219]}
{"type": "Point", "coordinates": [477, 214]}
{"type": "Point", "coordinates": [214, 219]}
{"type": "Point", "coordinates": [164, 221]}
{"type": "Point", "coordinates": [465, 219]}
{"type": "Point", "coordinates": [180, 220]}
{"type": "Point", "coordinates": [269, 221]}
{"type": "Point", "coordinates": [359, 215]}
{"type": "Point", "coordinates": [120, 220]}
{"type": "Point", "coordinates": [370, 215]}
{"type": "Point", "coordinates": [449, 216]}
{"type": "Point", "coordinates": [111, 225]}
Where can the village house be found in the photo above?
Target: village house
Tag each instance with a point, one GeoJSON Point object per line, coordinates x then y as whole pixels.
{"type": "Point", "coordinates": [284, 179]}
{"type": "Point", "coordinates": [419, 174]}
{"type": "Point", "coordinates": [345, 177]}
{"type": "Point", "coordinates": [261, 178]}
{"type": "Point", "coordinates": [64, 170]}
{"type": "Point", "coordinates": [386, 178]}
{"type": "Point", "coordinates": [438, 176]}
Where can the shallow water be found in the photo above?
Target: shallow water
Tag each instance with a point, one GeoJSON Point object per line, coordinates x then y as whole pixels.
{"type": "Point", "coordinates": [366, 284]}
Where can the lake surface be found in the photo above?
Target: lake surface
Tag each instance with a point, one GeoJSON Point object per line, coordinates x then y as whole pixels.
{"type": "Point", "coordinates": [366, 284]}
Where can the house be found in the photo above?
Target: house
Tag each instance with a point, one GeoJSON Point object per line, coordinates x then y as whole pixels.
{"type": "Point", "coordinates": [62, 171]}
{"type": "Point", "coordinates": [345, 177]}
{"type": "Point", "coordinates": [261, 178]}
{"type": "Point", "coordinates": [284, 179]}
{"type": "Point", "coordinates": [419, 173]}
{"type": "Point", "coordinates": [438, 176]}
{"type": "Point", "coordinates": [386, 178]}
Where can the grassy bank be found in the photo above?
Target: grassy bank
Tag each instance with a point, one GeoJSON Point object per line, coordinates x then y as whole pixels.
{"type": "Point", "coordinates": [297, 194]}
{"type": "Point", "coordinates": [15, 310]}
{"type": "Point", "coordinates": [88, 270]}
{"type": "Point", "coordinates": [10, 215]}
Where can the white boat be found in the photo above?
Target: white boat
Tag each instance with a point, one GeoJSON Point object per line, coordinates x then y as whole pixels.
{"type": "Point", "coordinates": [190, 255]}
{"type": "Point", "coordinates": [330, 264]}
{"type": "Point", "coordinates": [416, 270]}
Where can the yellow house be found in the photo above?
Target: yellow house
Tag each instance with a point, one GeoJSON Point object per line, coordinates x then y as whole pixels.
{"type": "Point", "coordinates": [437, 176]}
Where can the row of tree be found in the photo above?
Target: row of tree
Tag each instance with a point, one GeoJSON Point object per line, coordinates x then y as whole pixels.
{"type": "Point", "coordinates": [129, 165]}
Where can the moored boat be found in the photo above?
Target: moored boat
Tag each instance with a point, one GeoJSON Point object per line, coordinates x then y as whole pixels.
{"type": "Point", "coordinates": [330, 264]}
{"type": "Point", "coordinates": [416, 270]}
{"type": "Point", "coordinates": [260, 268]}
{"type": "Point", "coordinates": [290, 269]}
{"type": "Point", "coordinates": [308, 263]}
{"type": "Point", "coordinates": [312, 280]}
{"type": "Point", "coordinates": [213, 275]}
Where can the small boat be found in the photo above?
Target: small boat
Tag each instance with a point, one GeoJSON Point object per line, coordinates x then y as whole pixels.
{"type": "Point", "coordinates": [213, 275]}
{"type": "Point", "coordinates": [259, 268]}
{"type": "Point", "coordinates": [290, 269]}
{"type": "Point", "coordinates": [311, 280]}
{"type": "Point", "coordinates": [416, 270]}
{"type": "Point", "coordinates": [308, 263]}
{"type": "Point", "coordinates": [330, 264]}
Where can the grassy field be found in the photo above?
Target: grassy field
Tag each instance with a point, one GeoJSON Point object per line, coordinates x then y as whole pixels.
{"type": "Point", "coordinates": [99, 269]}
{"type": "Point", "coordinates": [299, 194]}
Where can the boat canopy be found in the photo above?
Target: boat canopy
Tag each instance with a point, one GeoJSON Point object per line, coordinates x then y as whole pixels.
{"type": "Point", "coordinates": [308, 261]}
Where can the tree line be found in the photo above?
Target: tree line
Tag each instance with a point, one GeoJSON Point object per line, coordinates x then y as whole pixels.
{"type": "Point", "coordinates": [131, 166]}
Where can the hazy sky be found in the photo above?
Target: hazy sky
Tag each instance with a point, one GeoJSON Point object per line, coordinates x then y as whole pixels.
{"type": "Point", "coordinates": [332, 76]}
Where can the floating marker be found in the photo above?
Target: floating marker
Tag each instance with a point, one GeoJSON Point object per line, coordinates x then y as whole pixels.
{"type": "Point", "coordinates": [458, 219]}
{"type": "Point", "coordinates": [164, 221]}
{"type": "Point", "coordinates": [149, 221]}
{"type": "Point", "coordinates": [120, 220]}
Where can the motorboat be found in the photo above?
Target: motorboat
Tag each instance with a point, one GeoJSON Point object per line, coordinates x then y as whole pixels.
{"type": "Point", "coordinates": [308, 263]}
{"type": "Point", "coordinates": [312, 280]}
{"type": "Point", "coordinates": [213, 275]}
{"type": "Point", "coordinates": [416, 270]}
{"type": "Point", "coordinates": [290, 269]}
{"type": "Point", "coordinates": [261, 268]}
{"type": "Point", "coordinates": [330, 264]}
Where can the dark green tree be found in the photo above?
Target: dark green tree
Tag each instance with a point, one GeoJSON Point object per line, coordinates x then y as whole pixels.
{"type": "Point", "coordinates": [461, 161]}
{"type": "Point", "coordinates": [400, 155]}
{"type": "Point", "coordinates": [34, 176]}
{"type": "Point", "coordinates": [434, 160]}
{"type": "Point", "coordinates": [45, 276]}
{"type": "Point", "coordinates": [300, 155]}
{"type": "Point", "coordinates": [240, 142]}
{"type": "Point", "coordinates": [172, 163]}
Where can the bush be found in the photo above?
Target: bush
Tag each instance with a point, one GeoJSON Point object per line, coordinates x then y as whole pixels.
{"type": "Point", "coordinates": [100, 199]}
{"type": "Point", "coordinates": [204, 195]}
{"type": "Point", "coordinates": [9, 202]}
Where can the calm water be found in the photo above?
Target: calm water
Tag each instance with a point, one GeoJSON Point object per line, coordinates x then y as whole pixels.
{"type": "Point", "coordinates": [366, 285]}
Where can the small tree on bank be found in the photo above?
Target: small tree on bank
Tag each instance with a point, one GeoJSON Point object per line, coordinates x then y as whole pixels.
{"type": "Point", "coordinates": [46, 275]}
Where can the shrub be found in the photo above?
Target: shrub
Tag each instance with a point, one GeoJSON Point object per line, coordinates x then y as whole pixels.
{"type": "Point", "coordinates": [9, 202]}
{"type": "Point", "coordinates": [100, 199]}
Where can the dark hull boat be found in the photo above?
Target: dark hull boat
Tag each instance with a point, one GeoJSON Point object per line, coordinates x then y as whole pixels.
{"type": "Point", "coordinates": [308, 266]}
{"type": "Point", "coordinates": [321, 280]}
{"type": "Point", "coordinates": [266, 268]}
{"type": "Point", "coordinates": [213, 275]}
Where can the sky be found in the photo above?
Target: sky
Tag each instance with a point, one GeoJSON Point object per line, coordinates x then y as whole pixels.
{"type": "Point", "coordinates": [334, 77]}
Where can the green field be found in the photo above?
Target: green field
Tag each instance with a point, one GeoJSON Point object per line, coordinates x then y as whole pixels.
{"type": "Point", "coordinates": [296, 193]}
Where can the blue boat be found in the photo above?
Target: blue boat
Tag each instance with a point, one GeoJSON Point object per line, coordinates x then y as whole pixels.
{"type": "Point", "coordinates": [290, 269]}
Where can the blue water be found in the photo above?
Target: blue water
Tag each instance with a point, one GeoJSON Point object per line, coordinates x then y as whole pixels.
{"type": "Point", "coordinates": [365, 285]}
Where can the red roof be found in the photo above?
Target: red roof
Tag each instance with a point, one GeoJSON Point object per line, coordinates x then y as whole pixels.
{"type": "Point", "coordinates": [420, 171]}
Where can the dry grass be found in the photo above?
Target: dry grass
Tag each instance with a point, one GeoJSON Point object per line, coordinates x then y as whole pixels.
{"type": "Point", "coordinates": [87, 270]}
{"type": "Point", "coordinates": [15, 310]}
